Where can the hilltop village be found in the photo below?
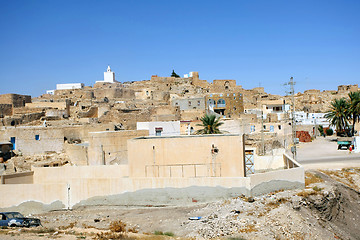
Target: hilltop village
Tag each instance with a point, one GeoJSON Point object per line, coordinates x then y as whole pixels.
{"type": "Point", "coordinates": [137, 144]}
{"type": "Point", "coordinates": [76, 124]}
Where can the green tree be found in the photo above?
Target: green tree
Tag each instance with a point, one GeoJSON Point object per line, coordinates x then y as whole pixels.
{"type": "Point", "coordinates": [173, 74]}
{"type": "Point", "coordinates": [321, 130]}
{"type": "Point", "coordinates": [354, 109]}
{"type": "Point", "coordinates": [210, 123]}
{"type": "Point", "coordinates": [339, 114]}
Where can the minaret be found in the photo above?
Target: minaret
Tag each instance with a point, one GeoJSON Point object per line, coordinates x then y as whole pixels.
{"type": "Point", "coordinates": [109, 76]}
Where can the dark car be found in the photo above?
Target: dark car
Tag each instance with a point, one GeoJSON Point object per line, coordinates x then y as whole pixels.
{"type": "Point", "coordinates": [16, 219]}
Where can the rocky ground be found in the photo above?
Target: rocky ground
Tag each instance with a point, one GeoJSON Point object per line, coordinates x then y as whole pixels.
{"type": "Point", "coordinates": [328, 208]}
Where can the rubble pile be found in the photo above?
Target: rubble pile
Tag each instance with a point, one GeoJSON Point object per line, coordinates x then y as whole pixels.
{"type": "Point", "coordinates": [21, 163]}
{"type": "Point", "coordinates": [303, 136]}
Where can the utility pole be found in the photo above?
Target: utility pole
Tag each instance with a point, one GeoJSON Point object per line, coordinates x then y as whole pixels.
{"type": "Point", "coordinates": [262, 153]}
{"type": "Point", "coordinates": [291, 83]}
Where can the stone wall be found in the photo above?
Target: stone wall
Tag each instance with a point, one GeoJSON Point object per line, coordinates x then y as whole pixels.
{"type": "Point", "coordinates": [35, 140]}
{"type": "Point", "coordinates": [110, 147]}
{"type": "Point", "coordinates": [6, 110]}
{"type": "Point", "coordinates": [16, 100]}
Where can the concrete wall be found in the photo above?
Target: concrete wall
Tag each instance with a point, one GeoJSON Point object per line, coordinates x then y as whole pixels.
{"type": "Point", "coordinates": [78, 153]}
{"type": "Point", "coordinates": [102, 185]}
{"type": "Point", "coordinates": [110, 147]}
{"type": "Point", "coordinates": [165, 128]}
{"type": "Point", "coordinates": [268, 162]}
{"type": "Point", "coordinates": [17, 178]}
{"type": "Point", "coordinates": [188, 156]}
{"type": "Point", "coordinates": [189, 103]}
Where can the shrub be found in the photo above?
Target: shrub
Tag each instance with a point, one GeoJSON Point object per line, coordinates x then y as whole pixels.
{"type": "Point", "coordinates": [117, 226]}
{"type": "Point", "coordinates": [170, 234]}
{"type": "Point", "coordinates": [329, 132]}
{"type": "Point", "coordinates": [316, 188]}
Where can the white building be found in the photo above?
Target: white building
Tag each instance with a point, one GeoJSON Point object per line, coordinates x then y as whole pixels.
{"type": "Point", "coordinates": [69, 86]}
{"type": "Point", "coordinates": [303, 118]}
{"type": "Point", "coordinates": [171, 128]}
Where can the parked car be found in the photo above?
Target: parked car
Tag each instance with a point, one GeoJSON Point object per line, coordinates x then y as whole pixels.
{"type": "Point", "coordinates": [16, 219]}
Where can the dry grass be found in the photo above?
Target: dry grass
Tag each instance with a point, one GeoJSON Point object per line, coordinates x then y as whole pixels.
{"type": "Point", "coordinates": [133, 229]}
{"type": "Point", "coordinates": [277, 203]}
{"type": "Point", "coordinates": [311, 178]}
{"type": "Point", "coordinates": [71, 225]}
{"type": "Point", "coordinates": [226, 202]}
{"type": "Point", "coordinates": [117, 226]}
{"type": "Point", "coordinates": [112, 236]}
{"type": "Point", "coordinates": [88, 226]}
{"type": "Point", "coordinates": [248, 229]}
{"type": "Point", "coordinates": [344, 176]}
{"type": "Point", "coordinates": [306, 194]}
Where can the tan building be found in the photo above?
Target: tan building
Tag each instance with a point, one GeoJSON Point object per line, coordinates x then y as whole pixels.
{"type": "Point", "coordinates": [187, 156]}
{"type": "Point", "coordinates": [226, 104]}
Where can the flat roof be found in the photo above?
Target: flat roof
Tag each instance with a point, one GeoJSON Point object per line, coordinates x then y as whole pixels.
{"type": "Point", "coordinates": [187, 136]}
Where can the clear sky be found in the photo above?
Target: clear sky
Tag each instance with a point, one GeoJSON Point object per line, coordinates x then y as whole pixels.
{"type": "Point", "coordinates": [258, 43]}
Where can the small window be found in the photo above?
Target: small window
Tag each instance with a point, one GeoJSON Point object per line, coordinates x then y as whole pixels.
{"type": "Point", "coordinates": [279, 127]}
{"type": "Point", "coordinates": [252, 128]}
{"type": "Point", "coordinates": [37, 137]}
{"type": "Point", "coordinates": [189, 103]}
{"type": "Point", "coordinates": [271, 128]}
{"type": "Point", "coordinates": [198, 103]}
{"type": "Point", "coordinates": [158, 131]}
{"type": "Point", "coordinates": [176, 103]}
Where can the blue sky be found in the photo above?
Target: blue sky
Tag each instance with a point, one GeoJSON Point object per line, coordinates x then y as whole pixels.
{"type": "Point", "coordinates": [258, 43]}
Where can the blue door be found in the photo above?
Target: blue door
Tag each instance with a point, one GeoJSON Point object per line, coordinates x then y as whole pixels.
{"type": "Point", "coordinates": [12, 140]}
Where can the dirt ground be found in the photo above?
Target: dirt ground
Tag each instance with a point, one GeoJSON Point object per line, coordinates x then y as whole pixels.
{"type": "Point", "coordinates": [328, 208]}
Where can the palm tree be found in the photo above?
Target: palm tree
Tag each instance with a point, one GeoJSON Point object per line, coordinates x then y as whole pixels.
{"type": "Point", "coordinates": [339, 114]}
{"type": "Point", "coordinates": [210, 123]}
{"type": "Point", "coordinates": [354, 109]}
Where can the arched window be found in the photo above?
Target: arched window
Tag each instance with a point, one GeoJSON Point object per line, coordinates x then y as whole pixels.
{"type": "Point", "coordinates": [227, 85]}
{"type": "Point", "coordinates": [211, 103]}
{"type": "Point", "coordinates": [221, 103]}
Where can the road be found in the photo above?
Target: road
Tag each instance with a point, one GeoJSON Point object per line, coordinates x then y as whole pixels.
{"type": "Point", "coordinates": [323, 153]}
